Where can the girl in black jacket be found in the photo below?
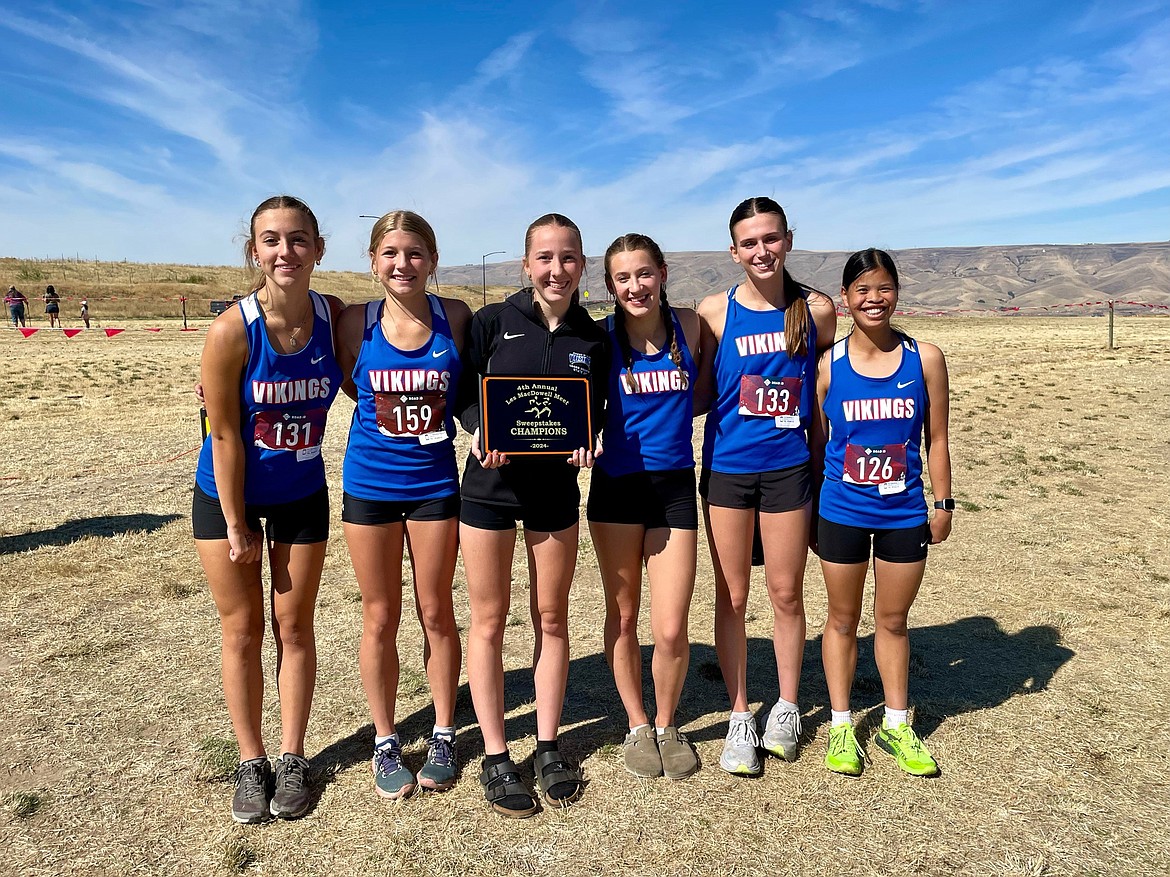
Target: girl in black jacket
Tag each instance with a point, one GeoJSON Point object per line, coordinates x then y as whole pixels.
{"type": "Point", "coordinates": [541, 330]}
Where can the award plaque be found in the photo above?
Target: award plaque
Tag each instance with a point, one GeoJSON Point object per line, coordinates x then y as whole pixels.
{"type": "Point", "coordinates": [535, 415]}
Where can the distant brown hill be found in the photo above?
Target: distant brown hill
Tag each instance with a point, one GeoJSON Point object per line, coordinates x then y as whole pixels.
{"type": "Point", "coordinates": [945, 278]}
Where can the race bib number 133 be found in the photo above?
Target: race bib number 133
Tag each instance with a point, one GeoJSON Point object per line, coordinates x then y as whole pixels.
{"type": "Point", "coordinates": [779, 398]}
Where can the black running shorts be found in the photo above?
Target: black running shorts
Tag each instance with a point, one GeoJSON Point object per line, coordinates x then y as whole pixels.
{"type": "Point", "coordinates": [652, 499]}
{"type": "Point", "coordinates": [841, 543]}
{"type": "Point", "coordinates": [355, 510]}
{"type": "Point", "coordinates": [300, 522]}
{"type": "Point", "coordinates": [781, 490]}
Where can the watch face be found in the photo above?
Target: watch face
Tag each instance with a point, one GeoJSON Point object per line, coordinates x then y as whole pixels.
{"type": "Point", "coordinates": [946, 505]}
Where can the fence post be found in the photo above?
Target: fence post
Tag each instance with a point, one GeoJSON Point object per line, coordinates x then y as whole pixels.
{"type": "Point", "coordinates": [1110, 325]}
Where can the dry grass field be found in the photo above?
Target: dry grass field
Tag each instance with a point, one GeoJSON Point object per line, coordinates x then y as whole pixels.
{"type": "Point", "coordinates": [1040, 646]}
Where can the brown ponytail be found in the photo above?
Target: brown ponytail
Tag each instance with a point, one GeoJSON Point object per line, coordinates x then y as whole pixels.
{"type": "Point", "coordinates": [797, 318]}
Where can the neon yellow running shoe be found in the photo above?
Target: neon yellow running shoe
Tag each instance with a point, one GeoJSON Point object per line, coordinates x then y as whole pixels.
{"type": "Point", "coordinates": [844, 755]}
{"type": "Point", "coordinates": [910, 752]}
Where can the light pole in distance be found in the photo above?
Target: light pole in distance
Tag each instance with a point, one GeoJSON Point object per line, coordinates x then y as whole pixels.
{"type": "Point", "coordinates": [483, 270]}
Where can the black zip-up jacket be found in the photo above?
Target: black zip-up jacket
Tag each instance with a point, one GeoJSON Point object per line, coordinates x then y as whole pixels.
{"type": "Point", "coordinates": [509, 338]}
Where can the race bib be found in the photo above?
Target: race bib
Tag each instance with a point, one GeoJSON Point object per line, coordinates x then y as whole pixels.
{"type": "Point", "coordinates": [884, 465]}
{"type": "Point", "coordinates": [778, 398]}
{"type": "Point", "coordinates": [408, 415]}
{"type": "Point", "coordinates": [289, 430]}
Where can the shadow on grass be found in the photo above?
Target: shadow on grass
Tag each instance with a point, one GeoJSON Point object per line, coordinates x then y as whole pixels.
{"type": "Point", "coordinates": [79, 528]}
{"type": "Point", "coordinates": [966, 665]}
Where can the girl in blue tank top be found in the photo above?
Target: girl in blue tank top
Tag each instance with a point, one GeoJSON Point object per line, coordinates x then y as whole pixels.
{"type": "Point", "coordinates": [284, 404]}
{"type": "Point", "coordinates": [881, 397]}
{"type": "Point", "coordinates": [642, 499]}
{"type": "Point", "coordinates": [759, 348]}
{"type": "Point", "coordinates": [403, 354]}
{"type": "Point", "coordinates": [401, 437]}
{"type": "Point", "coordinates": [269, 375]}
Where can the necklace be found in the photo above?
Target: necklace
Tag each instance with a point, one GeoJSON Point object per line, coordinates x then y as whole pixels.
{"type": "Point", "coordinates": [293, 331]}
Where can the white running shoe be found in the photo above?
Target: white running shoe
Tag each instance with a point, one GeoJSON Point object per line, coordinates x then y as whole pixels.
{"type": "Point", "coordinates": [782, 732]}
{"type": "Point", "coordinates": [741, 749]}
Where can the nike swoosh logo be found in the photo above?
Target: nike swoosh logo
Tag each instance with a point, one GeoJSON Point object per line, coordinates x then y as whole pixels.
{"type": "Point", "coordinates": [902, 386]}
{"type": "Point", "coordinates": [317, 360]}
{"type": "Point", "coordinates": [924, 544]}
{"type": "Point", "coordinates": [437, 353]}
{"type": "Point", "coordinates": [508, 336]}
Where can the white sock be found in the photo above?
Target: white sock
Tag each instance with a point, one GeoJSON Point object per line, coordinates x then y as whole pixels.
{"type": "Point", "coordinates": [440, 731]}
{"type": "Point", "coordinates": [659, 731]}
{"type": "Point", "coordinates": [842, 717]}
{"type": "Point", "coordinates": [786, 707]}
{"type": "Point", "coordinates": [639, 727]}
{"type": "Point", "coordinates": [745, 716]}
{"type": "Point", "coordinates": [896, 717]}
{"type": "Point", "coordinates": [379, 742]}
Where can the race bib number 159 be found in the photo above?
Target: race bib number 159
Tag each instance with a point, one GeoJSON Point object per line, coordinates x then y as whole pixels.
{"type": "Point", "coordinates": [407, 415]}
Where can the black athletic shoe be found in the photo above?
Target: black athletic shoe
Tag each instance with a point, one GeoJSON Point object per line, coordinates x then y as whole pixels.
{"type": "Point", "coordinates": [253, 781]}
{"type": "Point", "coordinates": [291, 800]}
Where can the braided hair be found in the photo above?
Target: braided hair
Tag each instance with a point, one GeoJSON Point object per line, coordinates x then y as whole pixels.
{"type": "Point", "coordinates": [632, 243]}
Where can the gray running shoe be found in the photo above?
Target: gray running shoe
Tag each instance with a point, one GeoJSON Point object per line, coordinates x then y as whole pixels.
{"type": "Point", "coordinates": [678, 756]}
{"type": "Point", "coordinates": [391, 777]}
{"type": "Point", "coordinates": [291, 798]}
{"type": "Point", "coordinates": [441, 767]}
{"type": "Point", "coordinates": [782, 732]}
{"type": "Point", "coordinates": [741, 748]}
{"type": "Point", "coordinates": [640, 753]}
{"type": "Point", "coordinates": [253, 783]}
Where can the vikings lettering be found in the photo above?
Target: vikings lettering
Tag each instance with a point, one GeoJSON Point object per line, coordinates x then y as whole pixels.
{"type": "Point", "coordinates": [409, 380]}
{"type": "Point", "coordinates": [878, 409]}
{"type": "Point", "coordinates": [283, 392]}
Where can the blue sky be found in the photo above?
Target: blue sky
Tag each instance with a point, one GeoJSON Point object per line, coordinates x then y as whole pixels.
{"type": "Point", "coordinates": [148, 130]}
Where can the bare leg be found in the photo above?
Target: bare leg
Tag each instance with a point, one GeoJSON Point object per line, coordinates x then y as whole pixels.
{"type": "Point", "coordinates": [487, 559]}
{"type": "Point", "coordinates": [619, 557]}
{"type": "Point", "coordinates": [552, 559]}
{"type": "Point", "coordinates": [433, 545]}
{"type": "Point", "coordinates": [296, 576]}
{"type": "Point", "coordinates": [785, 537]}
{"type": "Point", "coordinates": [845, 583]}
{"type": "Point", "coordinates": [670, 564]}
{"type": "Point", "coordinates": [896, 586]}
{"type": "Point", "coordinates": [239, 599]}
{"type": "Point", "coordinates": [729, 533]}
{"type": "Point", "coordinates": [376, 552]}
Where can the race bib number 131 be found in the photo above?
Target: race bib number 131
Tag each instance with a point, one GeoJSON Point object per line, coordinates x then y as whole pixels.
{"type": "Point", "coordinates": [289, 430]}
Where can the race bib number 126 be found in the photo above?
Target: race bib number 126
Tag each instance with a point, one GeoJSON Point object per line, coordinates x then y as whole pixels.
{"type": "Point", "coordinates": [778, 398]}
{"type": "Point", "coordinates": [883, 465]}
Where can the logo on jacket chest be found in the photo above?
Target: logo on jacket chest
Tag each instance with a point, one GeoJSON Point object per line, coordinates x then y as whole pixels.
{"type": "Point", "coordinates": [579, 362]}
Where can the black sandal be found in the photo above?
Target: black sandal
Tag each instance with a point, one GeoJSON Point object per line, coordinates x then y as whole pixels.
{"type": "Point", "coordinates": [501, 781]}
{"type": "Point", "coordinates": [551, 769]}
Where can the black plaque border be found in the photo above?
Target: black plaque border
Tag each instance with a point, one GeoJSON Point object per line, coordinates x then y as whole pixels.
{"type": "Point", "coordinates": [485, 434]}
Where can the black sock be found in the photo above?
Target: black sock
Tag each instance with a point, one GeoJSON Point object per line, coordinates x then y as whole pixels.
{"type": "Point", "coordinates": [493, 760]}
{"type": "Point", "coordinates": [556, 790]}
{"type": "Point", "coordinates": [509, 802]}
